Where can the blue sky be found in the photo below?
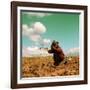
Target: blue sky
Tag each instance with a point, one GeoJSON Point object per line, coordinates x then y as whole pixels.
{"type": "Point", "coordinates": [62, 27]}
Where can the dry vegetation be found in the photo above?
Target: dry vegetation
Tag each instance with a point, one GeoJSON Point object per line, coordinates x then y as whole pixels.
{"type": "Point", "coordinates": [43, 67]}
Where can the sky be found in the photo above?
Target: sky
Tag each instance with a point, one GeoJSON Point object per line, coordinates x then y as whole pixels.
{"type": "Point", "coordinates": [41, 28]}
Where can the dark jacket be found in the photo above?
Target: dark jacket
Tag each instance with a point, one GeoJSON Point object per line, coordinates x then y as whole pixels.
{"type": "Point", "coordinates": [57, 53]}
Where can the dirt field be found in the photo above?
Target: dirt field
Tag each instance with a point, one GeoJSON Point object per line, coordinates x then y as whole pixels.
{"type": "Point", "coordinates": [43, 67]}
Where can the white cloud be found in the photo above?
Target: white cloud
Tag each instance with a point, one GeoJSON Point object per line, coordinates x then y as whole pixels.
{"type": "Point", "coordinates": [35, 37]}
{"type": "Point", "coordinates": [34, 32]}
{"type": "Point", "coordinates": [34, 51]}
{"type": "Point", "coordinates": [40, 15]}
{"type": "Point", "coordinates": [32, 48]}
{"type": "Point", "coordinates": [73, 51]}
{"type": "Point", "coordinates": [26, 30]}
{"type": "Point", "coordinates": [25, 52]}
{"type": "Point", "coordinates": [46, 41]}
{"type": "Point", "coordinates": [24, 27]}
{"type": "Point", "coordinates": [39, 28]}
{"type": "Point", "coordinates": [36, 28]}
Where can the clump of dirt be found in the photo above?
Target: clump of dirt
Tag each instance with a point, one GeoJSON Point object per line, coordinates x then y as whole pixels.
{"type": "Point", "coordinates": [43, 67]}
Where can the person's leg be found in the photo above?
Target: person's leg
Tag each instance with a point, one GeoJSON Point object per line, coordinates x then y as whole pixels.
{"type": "Point", "coordinates": [64, 61]}
{"type": "Point", "coordinates": [56, 63]}
{"type": "Point", "coordinates": [57, 59]}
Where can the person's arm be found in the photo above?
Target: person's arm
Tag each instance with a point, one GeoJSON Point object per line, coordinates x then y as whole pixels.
{"type": "Point", "coordinates": [50, 51]}
{"type": "Point", "coordinates": [57, 49]}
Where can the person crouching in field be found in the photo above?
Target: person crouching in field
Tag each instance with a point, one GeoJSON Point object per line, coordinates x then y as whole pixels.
{"type": "Point", "coordinates": [58, 54]}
